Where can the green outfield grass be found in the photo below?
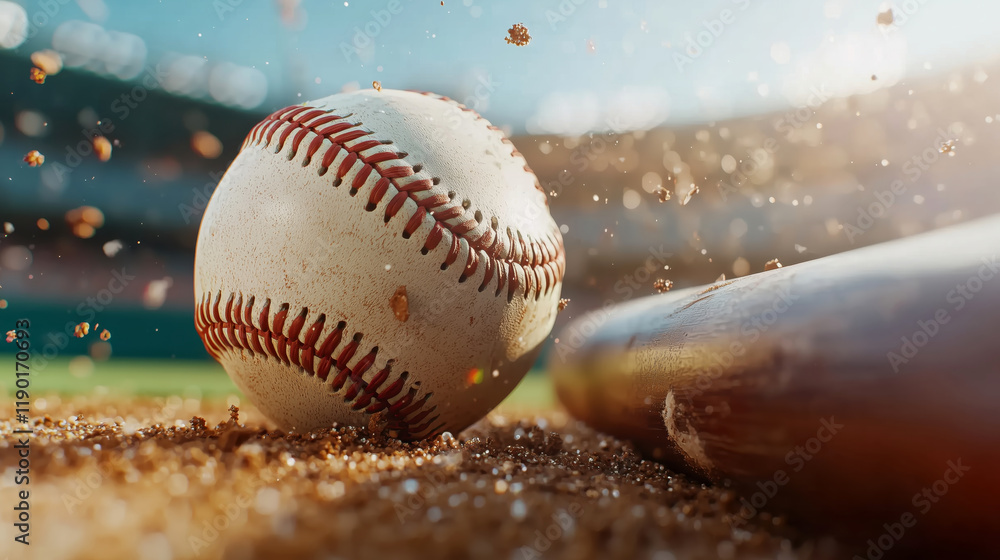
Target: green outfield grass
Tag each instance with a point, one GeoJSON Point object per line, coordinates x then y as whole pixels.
{"type": "Point", "coordinates": [136, 377]}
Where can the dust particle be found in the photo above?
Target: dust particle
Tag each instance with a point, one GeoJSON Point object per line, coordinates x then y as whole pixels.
{"type": "Point", "coordinates": [518, 35]}
{"type": "Point", "coordinates": [34, 158]}
{"type": "Point", "coordinates": [400, 304]}
{"type": "Point", "coordinates": [885, 18]}
{"type": "Point", "coordinates": [687, 198]}
{"type": "Point", "coordinates": [772, 264]}
{"type": "Point", "coordinates": [663, 194]}
{"type": "Point", "coordinates": [563, 303]}
{"type": "Point", "coordinates": [81, 330]}
{"type": "Point", "coordinates": [377, 85]}
{"type": "Point", "coordinates": [11, 335]}
{"type": "Point", "coordinates": [105, 335]}
{"type": "Point", "coordinates": [662, 285]}
{"type": "Point", "coordinates": [38, 75]}
{"type": "Point", "coordinates": [102, 148]}
{"type": "Point", "coordinates": [48, 61]}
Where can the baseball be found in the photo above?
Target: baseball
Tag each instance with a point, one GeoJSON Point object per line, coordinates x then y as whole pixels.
{"type": "Point", "coordinates": [377, 255]}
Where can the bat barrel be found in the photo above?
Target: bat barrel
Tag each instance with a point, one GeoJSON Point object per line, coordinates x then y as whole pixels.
{"type": "Point", "coordinates": [859, 393]}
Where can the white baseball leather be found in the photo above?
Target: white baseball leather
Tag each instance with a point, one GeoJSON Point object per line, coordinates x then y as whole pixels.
{"type": "Point", "coordinates": [327, 211]}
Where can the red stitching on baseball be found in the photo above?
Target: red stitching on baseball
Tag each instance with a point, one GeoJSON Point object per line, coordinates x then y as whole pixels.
{"type": "Point", "coordinates": [541, 261]}
{"type": "Point", "coordinates": [233, 330]}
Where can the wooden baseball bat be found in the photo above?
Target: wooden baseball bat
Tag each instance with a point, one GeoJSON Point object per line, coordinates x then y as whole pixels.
{"type": "Point", "coordinates": [859, 393]}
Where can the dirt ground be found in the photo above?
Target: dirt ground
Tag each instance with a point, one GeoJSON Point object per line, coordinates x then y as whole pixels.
{"type": "Point", "coordinates": [163, 479]}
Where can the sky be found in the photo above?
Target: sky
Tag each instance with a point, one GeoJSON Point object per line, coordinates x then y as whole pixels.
{"type": "Point", "coordinates": [590, 65]}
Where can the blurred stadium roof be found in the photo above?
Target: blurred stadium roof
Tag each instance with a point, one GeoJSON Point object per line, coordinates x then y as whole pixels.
{"type": "Point", "coordinates": [591, 64]}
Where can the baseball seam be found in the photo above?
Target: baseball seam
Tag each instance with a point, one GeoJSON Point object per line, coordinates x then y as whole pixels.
{"type": "Point", "coordinates": [363, 162]}
{"type": "Point", "coordinates": [234, 330]}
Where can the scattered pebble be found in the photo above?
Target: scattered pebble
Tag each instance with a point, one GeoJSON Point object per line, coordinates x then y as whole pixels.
{"type": "Point", "coordinates": [772, 264]}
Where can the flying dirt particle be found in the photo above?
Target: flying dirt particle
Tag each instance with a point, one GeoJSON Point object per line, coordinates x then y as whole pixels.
{"type": "Point", "coordinates": [105, 335]}
{"type": "Point", "coordinates": [662, 285]}
{"type": "Point", "coordinates": [206, 144]}
{"type": "Point", "coordinates": [377, 85]}
{"type": "Point", "coordinates": [687, 198]}
{"type": "Point", "coordinates": [3, 304]}
{"type": "Point", "coordinates": [400, 304]}
{"type": "Point", "coordinates": [948, 148]}
{"type": "Point", "coordinates": [8, 227]}
{"type": "Point", "coordinates": [721, 278]}
{"type": "Point", "coordinates": [102, 148]}
{"type": "Point", "coordinates": [34, 158]}
{"type": "Point", "coordinates": [663, 194]}
{"type": "Point", "coordinates": [874, 77]}
{"type": "Point", "coordinates": [885, 18]}
{"type": "Point", "coordinates": [81, 330]}
{"type": "Point", "coordinates": [155, 292]}
{"type": "Point", "coordinates": [42, 224]}
{"type": "Point", "coordinates": [563, 303]}
{"type": "Point", "coordinates": [112, 247]}
{"type": "Point", "coordinates": [11, 335]}
{"type": "Point", "coordinates": [591, 46]}
{"type": "Point", "coordinates": [518, 35]}
{"type": "Point", "coordinates": [47, 61]}
{"type": "Point", "coordinates": [38, 75]}
{"type": "Point", "coordinates": [377, 424]}
{"type": "Point", "coordinates": [84, 221]}
{"type": "Point", "coordinates": [772, 264]}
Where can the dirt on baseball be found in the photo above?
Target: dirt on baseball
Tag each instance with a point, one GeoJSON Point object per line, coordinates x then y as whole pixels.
{"type": "Point", "coordinates": [165, 479]}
